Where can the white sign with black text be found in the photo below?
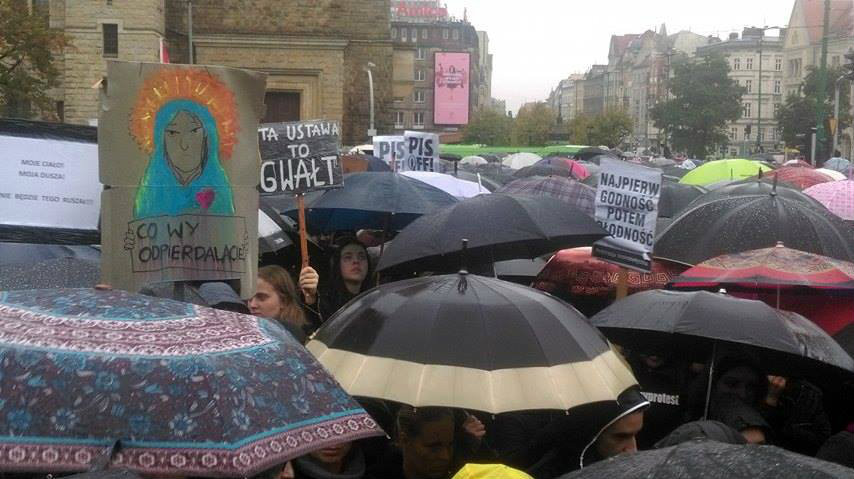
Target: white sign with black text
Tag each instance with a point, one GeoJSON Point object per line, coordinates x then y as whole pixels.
{"type": "Point", "coordinates": [422, 151]}
{"type": "Point", "coordinates": [390, 147]}
{"type": "Point", "coordinates": [627, 208]}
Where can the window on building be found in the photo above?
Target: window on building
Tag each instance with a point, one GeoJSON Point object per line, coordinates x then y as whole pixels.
{"type": "Point", "coordinates": [282, 106]}
{"type": "Point", "coordinates": [111, 39]}
{"type": "Point", "coordinates": [733, 134]}
{"type": "Point", "coordinates": [456, 34]}
{"type": "Point", "coordinates": [777, 108]}
{"type": "Point", "coordinates": [419, 54]}
{"type": "Point", "coordinates": [404, 34]}
{"type": "Point", "coordinates": [419, 75]}
{"type": "Point", "coordinates": [419, 96]}
{"type": "Point", "coordinates": [425, 34]}
{"type": "Point", "coordinates": [60, 111]}
{"type": "Point", "coordinates": [834, 61]}
{"type": "Point", "coordinates": [748, 64]}
{"type": "Point", "coordinates": [778, 64]}
{"type": "Point", "coordinates": [394, 33]}
{"type": "Point", "coordinates": [399, 119]}
{"type": "Point", "coordinates": [445, 33]}
{"type": "Point", "coordinates": [414, 35]}
{"type": "Point", "coordinates": [747, 132]}
{"type": "Point", "coordinates": [745, 110]}
{"type": "Point", "coordinates": [795, 67]}
{"type": "Point", "coordinates": [749, 85]}
{"type": "Point", "coordinates": [778, 86]}
{"type": "Point", "coordinates": [736, 63]}
{"type": "Point", "coordinates": [418, 119]}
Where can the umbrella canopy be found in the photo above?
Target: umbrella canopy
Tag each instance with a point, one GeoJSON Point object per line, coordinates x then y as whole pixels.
{"type": "Point", "coordinates": [798, 177]}
{"type": "Point", "coordinates": [273, 230]}
{"type": "Point", "coordinates": [837, 164]}
{"type": "Point", "coordinates": [570, 191]}
{"type": "Point", "coordinates": [51, 273]}
{"type": "Point", "coordinates": [837, 196]}
{"type": "Point", "coordinates": [590, 154]}
{"type": "Point", "coordinates": [29, 253]}
{"type": "Point", "coordinates": [578, 273]}
{"type": "Point", "coordinates": [755, 187]}
{"type": "Point", "coordinates": [835, 175]}
{"type": "Point", "coordinates": [690, 320]}
{"type": "Point", "coordinates": [577, 169]}
{"type": "Point", "coordinates": [675, 197]}
{"type": "Point", "coordinates": [521, 160]}
{"type": "Point", "coordinates": [675, 171]}
{"type": "Point", "coordinates": [543, 170]}
{"type": "Point", "coordinates": [449, 184]}
{"type": "Point", "coordinates": [188, 390]}
{"type": "Point", "coordinates": [498, 227]}
{"type": "Point", "coordinates": [795, 163]}
{"type": "Point", "coordinates": [373, 201]}
{"type": "Point", "coordinates": [845, 338]}
{"type": "Point", "coordinates": [661, 161]}
{"type": "Point", "coordinates": [770, 267]}
{"type": "Point", "coordinates": [521, 271]}
{"type": "Point", "coordinates": [706, 459]}
{"type": "Point", "coordinates": [473, 160]}
{"type": "Point", "coordinates": [743, 223]}
{"type": "Point", "coordinates": [470, 342]}
{"type": "Point", "coordinates": [721, 170]}
{"type": "Point", "coordinates": [478, 178]}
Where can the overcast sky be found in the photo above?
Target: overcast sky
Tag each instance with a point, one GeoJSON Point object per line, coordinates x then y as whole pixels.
{"type": "Point", "coordinates": [536, 43]}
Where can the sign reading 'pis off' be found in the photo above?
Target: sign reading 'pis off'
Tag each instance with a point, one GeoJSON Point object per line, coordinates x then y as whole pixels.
{"type": "Point", "coordinates": [627, 208]}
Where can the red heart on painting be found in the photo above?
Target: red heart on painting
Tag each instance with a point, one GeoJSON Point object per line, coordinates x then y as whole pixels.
{"type": "Point", "coordinates": [205, 198]}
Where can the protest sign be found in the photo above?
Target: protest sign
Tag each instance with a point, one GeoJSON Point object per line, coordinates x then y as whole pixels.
{"type": "Point", "coordinates": [391, 147]}
{"type": "Point", "coordinates": [49, 188]}
{"type": "Point", "coordinates": [422, 151]}
{"type": "Point", "coordinates": [178, 152]}
{"type": "Point", "coordinates": [627, 208]}
{"type": "Point", "coordinates": [299, 157]}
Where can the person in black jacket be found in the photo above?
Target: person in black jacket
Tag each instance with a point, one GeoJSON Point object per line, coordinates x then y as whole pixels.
{"type": "Point", "coordinates": [350, 274]}
{"type": "Point", "coordinates": [343, 461]}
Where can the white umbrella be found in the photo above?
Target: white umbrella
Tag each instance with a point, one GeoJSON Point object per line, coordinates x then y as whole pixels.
{"type": "Point", "coordinates": [521, 160]}
{"type": "Point", "coordinates": [837, 176]}
{"type": "Point", "coordinates": [450, 184]}
{"type": "Point", "coordinates": [473, 160]}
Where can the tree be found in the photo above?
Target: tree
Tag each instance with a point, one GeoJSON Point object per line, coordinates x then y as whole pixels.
{"type": "Point", "coordinates": [798, 114]}
{"type": "Point", "coordinates": [489, 127]}
{"type": "Point", "coordinates": [533, 125]}
{"type": "Point", "coordinates": [580, 130]}
{"type": "Point", "coordinates": [611, 128]}
{"type": "Point", "coordinates": [27, 62]}
{"type": "Point", "coordinates": [704, 99]}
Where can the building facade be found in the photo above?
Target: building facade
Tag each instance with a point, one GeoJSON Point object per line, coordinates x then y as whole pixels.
{"type": "Point", "coordinates": [565, 100]}
{"type": "Point", "coordinates": [314, 53]}
{"type": "Point", "coordinates": [756, 63]}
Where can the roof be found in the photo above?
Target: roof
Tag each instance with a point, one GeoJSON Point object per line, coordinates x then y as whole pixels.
{"type": "Point", "coordinates": [841, 20]}
{"type": "Point", "coordinates": [619, 43]}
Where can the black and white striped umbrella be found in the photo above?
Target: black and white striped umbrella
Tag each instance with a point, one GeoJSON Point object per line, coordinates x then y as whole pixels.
{"type": "Point", "coordinates": [470, 342]}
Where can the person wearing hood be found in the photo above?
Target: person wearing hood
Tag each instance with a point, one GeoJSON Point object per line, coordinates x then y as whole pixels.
{"type": "Point", "coordinates": [712, 430]}
{"type": "Point", "coordinates": [342, 461]}
{"type": "Point", "coordinates": [591, 433]}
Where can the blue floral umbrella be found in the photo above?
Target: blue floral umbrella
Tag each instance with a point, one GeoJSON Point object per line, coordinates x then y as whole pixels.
{"type": "Point", "coordinates": [187, 390]}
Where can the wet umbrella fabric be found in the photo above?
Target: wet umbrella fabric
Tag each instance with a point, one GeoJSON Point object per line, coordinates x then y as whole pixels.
{"type": "Point", "coordinates": [721, 170]}
{"type": "Point", "coordinates": [838, 164]}
{"type": "Point", "coordinates": [570, 191]}
{"type": "Point", "coordinates": [797, 177]}
{"type": "Point", "coordinates": [592, 154]}
{"type": "Point", "coordinates": [29, 253]}
{"type": "Point", "coordinates": [188, 390]}
{"type": "Point", "coordinates": [498, 227]}
{"type": "Point", "coordinates": [837, 196]}
{"type": "Point", "coordinates": [521, 160]}
{"type": "Point", "coordinates": [51, 273]}
{"type": "Point", "coordinates": [845, 338]}
{"type": "Point", "coordinates": [675, 197]}
{"type": "Point", "coordinates": [470, 342]}
{"type": "Point", "coordinates": [448, 183]}
{"type": "Point", "coordinates": [770, 267]}
{"type": "Point", "coordinates": [373, 201]}
{"type": "Point", "coordinates": [743, 223]}
{"type": "Point", "coordinates": [543, 170]}
{"type": "Point", "coordinates": [833, 174]}
{"type": "Point", "coordinates": [273, 230]}
{"type": "Point", "coordinates": [755, 187]}
{"type": "Point", "coordinates": [705, 459]}
{"type": "Point", "coordinates": [690, 320]}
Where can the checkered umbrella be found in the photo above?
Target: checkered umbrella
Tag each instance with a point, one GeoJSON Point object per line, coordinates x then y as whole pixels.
{"type": "Point", "coordinates": [837, 196]}
{"type": "Point", "coordinates": [565, 189]}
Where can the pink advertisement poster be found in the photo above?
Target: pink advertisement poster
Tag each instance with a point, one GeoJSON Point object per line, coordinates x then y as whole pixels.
{"type": "Point", "coordinates": [451, 95]}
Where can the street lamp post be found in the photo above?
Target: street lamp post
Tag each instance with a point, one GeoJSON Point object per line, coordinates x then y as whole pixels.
{"type": "Point", "coordinates": [372, 132]}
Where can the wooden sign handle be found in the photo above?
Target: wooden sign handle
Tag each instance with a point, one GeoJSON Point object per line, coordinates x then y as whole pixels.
{"type": "Point", "coordinates": [622, 283]}
{"type": "Point", "coordinates": [303, 236]}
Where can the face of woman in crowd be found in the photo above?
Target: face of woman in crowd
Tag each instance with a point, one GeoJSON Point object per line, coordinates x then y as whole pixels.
{"type": "Point", "coordinates": [429, 454]}
{"type": "Point", "coordinates": [333, 456]}
{"type": "Point", "coordinates": [266, 301]}
{"type": "Point", "coordinates": [354, 263]}
{"type": "Point", "coordinates": [740, 381]}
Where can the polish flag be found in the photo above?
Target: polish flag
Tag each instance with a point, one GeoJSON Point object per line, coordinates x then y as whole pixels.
{"type": "Point", "coordinates": [164, 54]}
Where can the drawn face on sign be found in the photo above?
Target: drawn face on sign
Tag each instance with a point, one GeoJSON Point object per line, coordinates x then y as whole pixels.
{"type": "Point", "coordinates": [187, 121]}
{"type": "Point", "coordinates": [185, 143]}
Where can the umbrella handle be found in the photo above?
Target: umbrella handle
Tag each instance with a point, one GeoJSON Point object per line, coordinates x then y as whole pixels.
{"type": "Point", "coordinates": [711, 376]}
{"type": "Point", "coordinates": [102, 462]}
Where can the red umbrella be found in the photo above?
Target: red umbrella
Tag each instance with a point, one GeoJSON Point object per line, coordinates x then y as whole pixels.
{"type": "Point", "coordinates": [577, 272]}
{"type": "Point", "coordinates": [798, 163]}
{"type": "Point", "coordinates": [797, 176]}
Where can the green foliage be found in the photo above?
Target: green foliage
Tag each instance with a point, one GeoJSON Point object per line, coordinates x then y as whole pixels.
{"type": "Point", "coordinates": [580, 130]}
{"type": "Point", "coordinates": [704, 99]}
{"type": "Point", "coordinates": [489, 127]}
{"type": "Point", "coordinates": [27, 62]}
{"type": "Point", "coordinates": [609, 128]}
{"type": "Point", "coordinates": [533, 125]}
{"type": "Point", "coordinates": [799, 112]}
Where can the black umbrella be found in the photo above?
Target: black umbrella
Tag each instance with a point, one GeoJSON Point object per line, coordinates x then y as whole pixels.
{"type": "Point", "coordinates": [29, 253]}
{"type": "Point", "coordinates": [274, 232]}
{"type": "Point", "coordinates": [498, 227]}
{"type": "Point", "coordinates": [67, 272]}
{"type": "Point", "coordinates": [484, 180]}
{"type": "Point", "coordinates": [694, 322]}
{"type": "Point", "coordinates": [845, 338]}
{"type": "Point", "coordinates": [543, 169]}
{"type": "Point", "coordinates": [743, 223]}
{"type": "Point", "coordinates": [674, 171]}
{"type": "Point", "coordinates": [591, 154]}
{"type": "Point", "coordinates": [380, 201]}
{"type": "Point", "coordinates": [471, 342]}
{"type": "Point", "coordinates": [756, 187]}
{"type": "Point", "coordinates": [675, 197]}
{"type": "Point", "coordinates": [705, 459]}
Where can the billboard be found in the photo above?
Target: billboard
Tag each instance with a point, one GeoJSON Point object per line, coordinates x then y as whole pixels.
{"type": "Point", "coordinates": [451, 92]}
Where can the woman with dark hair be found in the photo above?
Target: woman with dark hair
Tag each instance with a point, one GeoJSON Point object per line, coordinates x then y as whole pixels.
{"type": "Point", "coordinates": [349, 276]}
{"type": "Point", "coordinates": [425, 440]}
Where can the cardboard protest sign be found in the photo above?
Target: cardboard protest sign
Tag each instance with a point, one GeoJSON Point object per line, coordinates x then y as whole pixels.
{"type": "Point", "coordinates": [627, 208]}
{"type": "Point", "coordinates": [49, 188]}
{"type": "Point", "coordinates": [299, 157]}
{"type": "Point", "coordinates": [391, 146]}
{"type": "Point", "coordinates": [178, 152]}
{"type": "Point", "coordinates": [422, 151]}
